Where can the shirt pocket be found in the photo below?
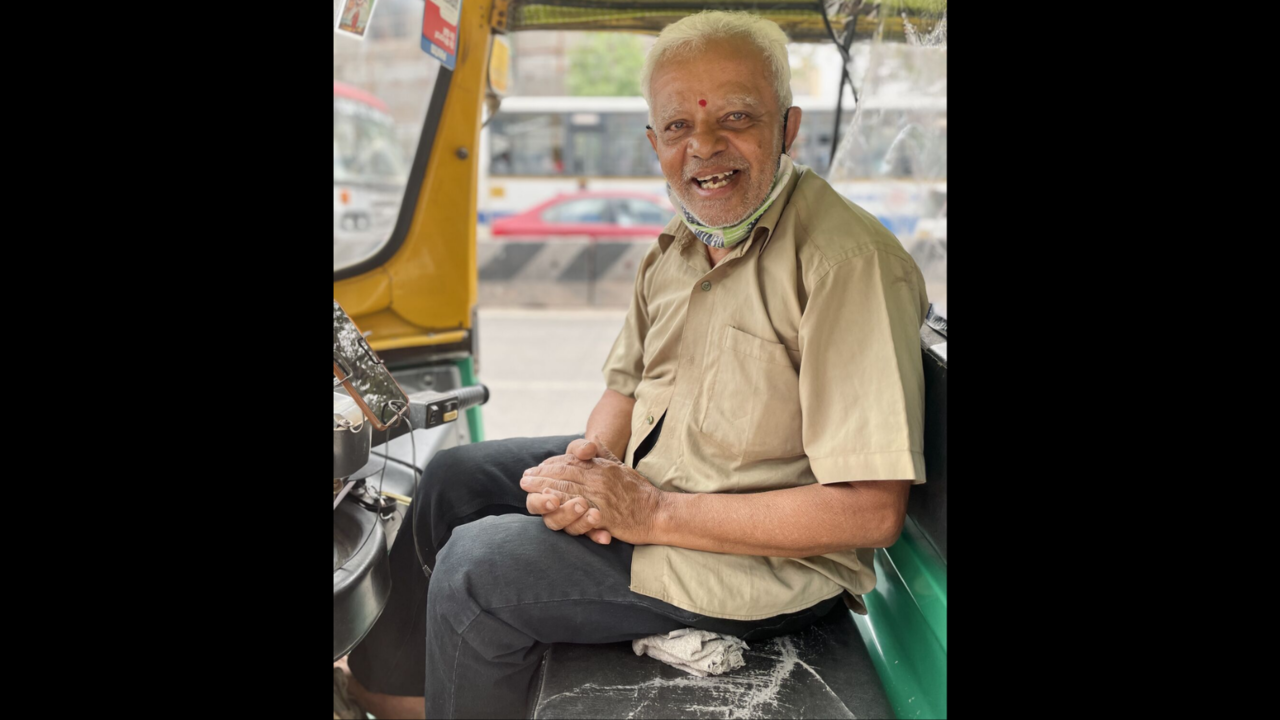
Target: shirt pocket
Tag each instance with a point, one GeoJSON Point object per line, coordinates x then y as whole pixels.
{"type": "Point", "coordinates": [753, 408]}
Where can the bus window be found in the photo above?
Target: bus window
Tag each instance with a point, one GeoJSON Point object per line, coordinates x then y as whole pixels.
{"type": "Point", "coordinates": [588, 157]}
{"type": "Point", "coordinates": [630, 154]}
{"type": "Point", "coordinates": [381, 89]}
{"type": "Point", "coordinates": [526, 143]}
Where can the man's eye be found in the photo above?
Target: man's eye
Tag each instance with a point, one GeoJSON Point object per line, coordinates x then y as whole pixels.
{"type": "Point", "coordinates": [738, 116]}
{"type": "Point", "coordinates": [676, 126]}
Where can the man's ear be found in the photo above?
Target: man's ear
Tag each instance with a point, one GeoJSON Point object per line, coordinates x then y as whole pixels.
{"type": "Point", "coordinates": [792, 123]}
{"type": "Point", "coordinates": [653, 138]}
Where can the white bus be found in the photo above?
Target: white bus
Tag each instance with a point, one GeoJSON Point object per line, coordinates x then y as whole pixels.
{"type": "Point", "coordinates": [536, 148]}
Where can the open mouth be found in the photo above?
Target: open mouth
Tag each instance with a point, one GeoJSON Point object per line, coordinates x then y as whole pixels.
{"type": "Point", "coordinates": [715, 181]}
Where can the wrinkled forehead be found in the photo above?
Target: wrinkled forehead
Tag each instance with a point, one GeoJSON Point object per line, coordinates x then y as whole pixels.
{"type": "Point", "coordinates": [669, 105]}
{"type": "Point", "coordinates": [719, 71]}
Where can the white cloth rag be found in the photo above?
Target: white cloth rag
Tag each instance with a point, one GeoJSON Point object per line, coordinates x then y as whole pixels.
{"type": "Point", "coordinates": [697, 652]}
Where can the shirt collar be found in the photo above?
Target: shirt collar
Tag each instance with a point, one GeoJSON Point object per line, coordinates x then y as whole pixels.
{"type": "Point", "coordinates": [768, 221]}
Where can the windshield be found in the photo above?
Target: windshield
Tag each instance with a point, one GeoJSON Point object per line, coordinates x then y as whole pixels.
{"type": "Point", "coordinates": [382, 86]}
{"type": "Point", "coordinates": [364, 146]}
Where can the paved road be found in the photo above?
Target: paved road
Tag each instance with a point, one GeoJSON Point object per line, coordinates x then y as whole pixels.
{"type": "Point", "coordinates": [543, 368]}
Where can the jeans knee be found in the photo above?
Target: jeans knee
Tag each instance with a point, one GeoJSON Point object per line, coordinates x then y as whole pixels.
{"type": "Point", "coordinates": [483, 556]}
{"type": "Point", "coordinates": [446, 475]}
{"type": "Point", "coordinates": [472, 554]}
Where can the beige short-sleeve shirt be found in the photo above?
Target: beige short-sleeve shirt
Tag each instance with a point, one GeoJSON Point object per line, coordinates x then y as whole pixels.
{"type": "Point", "coordinates": [795, 360]}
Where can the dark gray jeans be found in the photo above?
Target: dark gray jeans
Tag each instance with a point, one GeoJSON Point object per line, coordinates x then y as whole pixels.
{"type": "Point", "coordinates": [503, 587]}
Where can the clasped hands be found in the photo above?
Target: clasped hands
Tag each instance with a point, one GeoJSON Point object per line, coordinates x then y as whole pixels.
{"type": "Point", "coordinates": [588, 491]}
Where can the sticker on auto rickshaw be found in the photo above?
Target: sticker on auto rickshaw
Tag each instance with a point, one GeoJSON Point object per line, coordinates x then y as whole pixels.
{"type": "Point", "coordinates": [354, 16]}
{"type": "Point", "coordinates": [440, 30]}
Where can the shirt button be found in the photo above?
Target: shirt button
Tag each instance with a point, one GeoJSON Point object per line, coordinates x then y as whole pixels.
{"type": "Point", "coordinates": [706, 285]}
{"type": "Point", "coordinates": [650, 419]}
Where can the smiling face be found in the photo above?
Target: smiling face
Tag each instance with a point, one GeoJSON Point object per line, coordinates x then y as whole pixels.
{"type": "Point", "coordinates": [717, 129]}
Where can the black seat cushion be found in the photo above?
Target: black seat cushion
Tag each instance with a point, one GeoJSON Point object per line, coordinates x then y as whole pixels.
{"type": "Point", "coordinates": [823, 671]}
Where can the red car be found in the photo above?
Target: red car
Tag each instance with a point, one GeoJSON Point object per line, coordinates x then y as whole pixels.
{"type": "Point", "coordinates": [597, 214]}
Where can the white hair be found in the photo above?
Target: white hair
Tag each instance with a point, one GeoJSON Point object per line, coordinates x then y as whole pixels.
{"type": "Point", "coordinates": [690, 33]}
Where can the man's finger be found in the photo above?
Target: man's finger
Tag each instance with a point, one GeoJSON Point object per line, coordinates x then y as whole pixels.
{"type": "Point", "coordinates": [586, 523]}
{"type": "Point", "coordinates": [548, 501]}
{"type": "Point", "coordinates": [569, 514]}
{"type": "Point", "coordinates": [549, 462]}
{"type": "Point", "coordinates": [572, 470]}
{"type": "Point", "coordinates": [583, 449]}
{"type": "Point", "coordinates": [541, 503]}
{"type": "Point", "coordinates": [537, 483]}
{"type": "Point", "coordinates": [601, 537]}
{"type": "Point", "coordinates": [566, 460]}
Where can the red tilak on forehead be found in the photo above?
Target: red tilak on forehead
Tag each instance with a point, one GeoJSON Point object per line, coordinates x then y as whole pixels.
{"type": "Point", "coordinates": [703, 103]}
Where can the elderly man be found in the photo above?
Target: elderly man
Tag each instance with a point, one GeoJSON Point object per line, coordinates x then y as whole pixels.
{"type": "Point", "coordinates": [762, 425]}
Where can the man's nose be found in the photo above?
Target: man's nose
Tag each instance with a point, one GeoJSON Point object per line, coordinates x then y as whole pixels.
{"type": "Point", "coordinates": [705, 143]}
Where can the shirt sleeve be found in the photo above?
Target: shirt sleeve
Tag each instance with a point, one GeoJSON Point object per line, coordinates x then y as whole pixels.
{"type": "Point", "coordinates": [861, 375]}
{"type": "Point", "coordinates": [624, 366]}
